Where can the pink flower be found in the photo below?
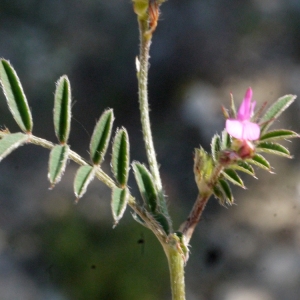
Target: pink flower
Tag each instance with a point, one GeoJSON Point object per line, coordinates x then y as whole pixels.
{"type": "Point", "coordinates": [242, 128]}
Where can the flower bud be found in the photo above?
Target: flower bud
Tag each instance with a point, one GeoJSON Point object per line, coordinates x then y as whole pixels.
{"type": "Point", "coordinates": [140, 7]}
{"type": "Point", "coordinates": [240, 150]}
{"type": "Point", "coordinates": [203, 170]}
{"type": "Point", "coordinates": [228, 157]}
{"type": "Point", "coordinates": [245, 149]}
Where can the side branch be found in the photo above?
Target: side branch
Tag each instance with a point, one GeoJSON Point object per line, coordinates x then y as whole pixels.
{"type": "Point", "coordinates": [188, 227]}
{"type": "Point", "coordinates": [206, 180]}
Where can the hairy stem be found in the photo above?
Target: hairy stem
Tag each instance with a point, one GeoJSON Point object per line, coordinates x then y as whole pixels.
{"type": "Point", "coordinates": [171, 245]}
{"type": "Point", "coordinates": [194, 217]}
{"type": "Point", "coordinates": [188, 227]}
{"type": "Point", "coordinates": [176, 268]}
{"type": "Point", "coordinates": [145, 42]}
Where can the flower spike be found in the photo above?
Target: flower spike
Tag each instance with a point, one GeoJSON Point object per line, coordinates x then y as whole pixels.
{"type": "Point", "coordinates": [242, 128]}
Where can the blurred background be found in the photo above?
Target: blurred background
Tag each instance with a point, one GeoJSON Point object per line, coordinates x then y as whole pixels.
{"type": "Point", "coordinates": [202, 50]}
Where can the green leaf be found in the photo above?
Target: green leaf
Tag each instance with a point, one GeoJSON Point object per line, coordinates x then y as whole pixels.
{"type": "Point", "coordinates": [163, 208]}
{"type": "Point", "coordinates": [259, 112]}
{"type": "Point", "coordinates": [233, 177]}
{"type": "Point", "coordinates": [273, 148]}
{"type": "Point", "coordinates": [146, 185]}
{"type": "Point", "coordinates": [163, 222]}
{"type": "Point", "coordinates": [225, 188]}
{"type": "Point", "coordinates": [85, 174]}
{"type": "Point", "coordinates": [278, 134]}
{"type": "Point", "coordinates": [243, 167]}
{"type": "Point", "coordinates": [11, 142]}
{"type": "Point", "coordinates": [138, 219]}
{"type": "Point", "coordinates": [232, 107]}
{"type": "Point", "coordinates": [119, 203]}
{"type": "Point", "coordinates": [57, 163]}
{"type": "Point", "coordinates": [215, 146]}
{"type": "Point", "coordinates": [15, 96]}
{"type": "Point", "coordinates": [226, 140]}
{"type": "Point", "coordinates": [120, 157]}
{"type": "Point", "coordinates": [275, 111]}
{"type": "Point", "coordinates": [219, 194]}
{"type": "Point", "coordinates": [261, 162]}
{"type": "Point", "coordinates": [225, 112]}
{"type": "Point", "coordinates": [62, 109]}
{"type": "Point", "coordinates": [101, 137]}
{"type": "Point", "coordinates": [203, 170]}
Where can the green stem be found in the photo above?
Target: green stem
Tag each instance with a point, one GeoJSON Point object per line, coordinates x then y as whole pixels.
{"type": "Point", "coordinates": [145, 42]}
{"type": "Point", "coordinates": [171, 246]}
{"type": "Point", "coordinates": [176, 268]}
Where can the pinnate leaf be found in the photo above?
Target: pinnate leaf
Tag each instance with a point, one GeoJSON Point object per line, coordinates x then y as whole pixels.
{"type": "Point", "coordinates": [215, 146]}
{"type": "Point", "coordinates": [62, 109]}
{"type": "Point", "coordinates": [163, 222]}
{"type": "Point", "coordinates": [119, 203]}
{"type": "Point", "coordinates": [120, 157]}
{"type": "Point", "coordinates": [138, 219]}
{"type": "Point", "coordinates": [273, 148]}
{"type": "Point", "coordinates": [146, 185]}
{"type": "Point", "coordinates": [85, 174]}
{"type": "Point", "coordinates": [233, 177]}
{"type": "Point", "coordinates": [101, 137]}
{"type": "Point", "coordinates": [278, 134]}
{"type": "Point", "coordinates": [275, 111]}
{"type": "Point", "coordinates": [11, 142]}
{"type": "Point", "coordinates": [15, 96]}
{"type": "Point", "coordinates": [261, 162]}
{"type": "Point", "coordinates": [243, 167]}
{"type": "Point", "coordinates": [219, 194]}
{"type": "Point", "coordinates": [163, 208]}
{"type": "Point", "coordinates": [226, 140]}
{"type": "Point", "coordinates": [225, 188]}
{"type": "Point", "coordinates": [57, 163]}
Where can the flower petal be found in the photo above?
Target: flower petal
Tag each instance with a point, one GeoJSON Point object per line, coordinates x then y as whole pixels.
{"type": "Point", "coordinates": [251, 131]}
{"type": "Point", "coordinates": [235, 128]}
{"type": "Point", "coordinates": [243, 130]}
{"type": "Point", "coordinates": [246, 109]}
